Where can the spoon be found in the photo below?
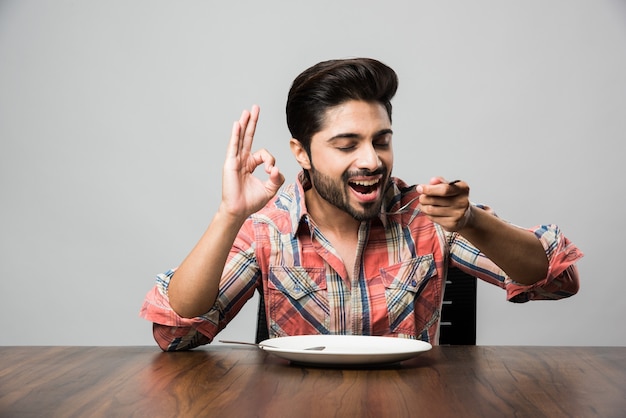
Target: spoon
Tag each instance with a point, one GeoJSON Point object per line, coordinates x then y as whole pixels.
{"type": "Point", "coordinates": [318, 348]}
{"type": "Point", "coordinates": [405, 206]}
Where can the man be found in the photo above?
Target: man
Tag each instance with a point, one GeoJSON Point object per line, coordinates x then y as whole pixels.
{"type": "Point", "coordinates": [347, 249]}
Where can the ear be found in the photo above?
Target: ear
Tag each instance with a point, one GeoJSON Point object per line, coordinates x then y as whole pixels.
{"type": "Point", "coordinates": [298, 151]}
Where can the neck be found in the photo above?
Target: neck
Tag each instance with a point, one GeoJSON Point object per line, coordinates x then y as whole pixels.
{"type": "Point", "coordinates": [328, 217]}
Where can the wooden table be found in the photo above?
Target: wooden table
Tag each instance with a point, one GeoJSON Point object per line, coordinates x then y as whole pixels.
{"type": "Point", "coordinates": [238, 381]}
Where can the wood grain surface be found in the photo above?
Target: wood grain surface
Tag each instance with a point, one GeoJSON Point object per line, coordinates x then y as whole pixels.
{"type": "Point", "coordinates": [227, 381]}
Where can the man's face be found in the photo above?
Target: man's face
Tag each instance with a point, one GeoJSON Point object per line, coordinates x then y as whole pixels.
{"type": "Point", "coordinates": [352, 158]}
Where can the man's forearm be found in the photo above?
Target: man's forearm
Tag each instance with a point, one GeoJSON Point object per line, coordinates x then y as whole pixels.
{"type": "Point", "coordinates": [194, 287]}
{"type": "Point", "coordinates": [516, 251]}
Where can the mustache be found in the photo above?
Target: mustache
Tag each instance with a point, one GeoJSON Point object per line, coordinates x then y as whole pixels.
{"type": "Point", "coordinates": [364, 173]}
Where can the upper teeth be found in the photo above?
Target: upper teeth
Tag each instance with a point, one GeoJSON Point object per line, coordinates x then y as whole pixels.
{"type": "Point", "coordinates": [366, 182]}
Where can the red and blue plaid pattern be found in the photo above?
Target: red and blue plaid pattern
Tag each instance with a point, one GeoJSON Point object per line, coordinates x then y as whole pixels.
{"type": "Point", "coordinates": [397, 289]}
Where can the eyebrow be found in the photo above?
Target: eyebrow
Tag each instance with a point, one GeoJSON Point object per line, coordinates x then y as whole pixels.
{"type": "Point", "coordinates": [350, 135]}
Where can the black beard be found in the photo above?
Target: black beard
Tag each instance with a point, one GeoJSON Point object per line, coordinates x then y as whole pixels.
{"type": "Point", "coordinates": [336, 194]}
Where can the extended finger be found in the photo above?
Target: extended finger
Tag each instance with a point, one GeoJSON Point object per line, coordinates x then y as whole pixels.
{"type": "Point", "coordinates": [250, 128]}
{"type": "Point", "coordinates": [232, 149]}
{"type": "Point", "coordinates": [243, 123]}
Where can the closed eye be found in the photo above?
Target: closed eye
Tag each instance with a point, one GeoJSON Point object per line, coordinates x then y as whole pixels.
{"type": "Point", "coordinates": [383, 140]}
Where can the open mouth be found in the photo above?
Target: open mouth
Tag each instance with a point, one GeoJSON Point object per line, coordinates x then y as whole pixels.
{"type": "Point", "coordinates": [364, 186]}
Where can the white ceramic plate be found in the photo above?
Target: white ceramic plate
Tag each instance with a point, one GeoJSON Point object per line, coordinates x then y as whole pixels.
{"type": "Point", "coordinates": [345, 349]}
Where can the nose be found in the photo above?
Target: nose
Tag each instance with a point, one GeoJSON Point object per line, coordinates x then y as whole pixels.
{"type": "Point", "coordinates": [368, 158]}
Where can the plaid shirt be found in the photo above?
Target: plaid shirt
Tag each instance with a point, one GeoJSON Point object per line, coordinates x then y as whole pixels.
{"type": "Point", "coordinates": [396, 290]}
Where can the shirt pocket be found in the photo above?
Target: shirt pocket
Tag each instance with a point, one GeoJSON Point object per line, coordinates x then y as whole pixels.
{"type": "Point", "coordinates": [298, 301]}
{"type": "Point", "coordinates": [403, 283]}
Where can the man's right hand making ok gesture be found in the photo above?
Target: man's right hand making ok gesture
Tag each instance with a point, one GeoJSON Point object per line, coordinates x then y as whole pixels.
{"type": "Point", "coordinates": [194, 286]}
{"type": "Point", "coordinates": [242, 193]}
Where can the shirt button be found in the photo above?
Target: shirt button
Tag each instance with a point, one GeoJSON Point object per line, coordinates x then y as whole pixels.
{"type": "Point", "coordinates": [414, 283]}
{"type": "Point", "coordinates": [297, 289]}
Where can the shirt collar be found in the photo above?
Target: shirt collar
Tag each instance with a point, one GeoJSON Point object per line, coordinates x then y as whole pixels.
{"type": "Point", "coordinates": [398, 194]}
{"type": "Point", "coordinates": [300, 214]}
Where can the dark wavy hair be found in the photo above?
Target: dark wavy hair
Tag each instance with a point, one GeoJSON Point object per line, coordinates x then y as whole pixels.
{"type": "Point", "coordinates": [331, 83]}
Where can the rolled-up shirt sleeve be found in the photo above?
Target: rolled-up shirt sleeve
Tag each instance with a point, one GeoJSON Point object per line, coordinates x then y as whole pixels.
{"type": "Point", "coordinates": [237, 285]}
{"type": "Point", "coordinates": [561, 280]}
{"type": "Point", "coordinates": [171, 331]}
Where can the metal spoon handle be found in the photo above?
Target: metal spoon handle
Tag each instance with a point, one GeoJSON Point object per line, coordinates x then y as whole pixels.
{"type": "Point", "coordinates": [317, 348]}
{"type": "Point", "coordinates": [247, 343]}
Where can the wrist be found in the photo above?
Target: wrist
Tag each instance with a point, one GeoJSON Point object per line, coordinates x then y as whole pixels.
{"type": "Point", "coordinates": [230, 217]}
{"type": "Point", "coordinates": [468, 221]}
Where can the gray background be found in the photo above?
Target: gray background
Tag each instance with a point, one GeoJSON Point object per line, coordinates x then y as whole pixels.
{"type": "Point", "coordinates": [114, 116]}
